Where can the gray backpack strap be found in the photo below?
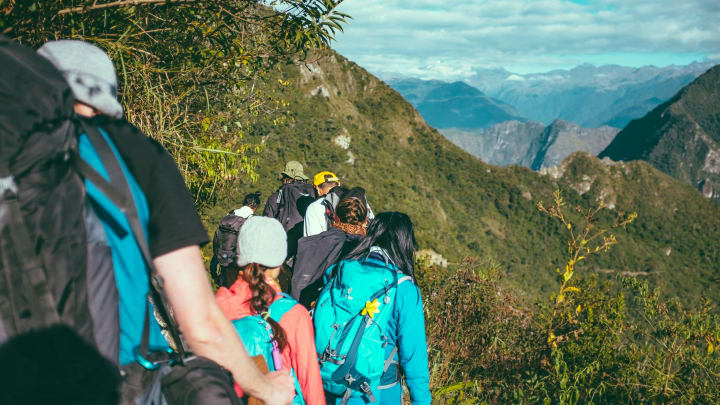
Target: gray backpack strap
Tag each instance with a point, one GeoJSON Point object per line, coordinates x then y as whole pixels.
{"type": "Point", "coordinates": [391, 358]}
{"type": "Point", "coordinates": [102, 291]}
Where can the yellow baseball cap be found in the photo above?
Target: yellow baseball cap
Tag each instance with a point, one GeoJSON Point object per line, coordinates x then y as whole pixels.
{"type": "Point", "coordinates": [324, 177]}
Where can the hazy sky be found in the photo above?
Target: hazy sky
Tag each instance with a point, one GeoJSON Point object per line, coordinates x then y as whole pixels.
{"type": "Point", "coordinates": [447, 39]}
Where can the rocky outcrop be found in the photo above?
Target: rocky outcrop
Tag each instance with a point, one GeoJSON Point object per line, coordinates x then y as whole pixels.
{"type": "Point", "coordinates": [561, 139]}
{"type": "Point", "coordinates": [531, 144]}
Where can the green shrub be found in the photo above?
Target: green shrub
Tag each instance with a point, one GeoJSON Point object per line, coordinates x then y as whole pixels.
{"type": "Point", "coordinates": [591, 342]}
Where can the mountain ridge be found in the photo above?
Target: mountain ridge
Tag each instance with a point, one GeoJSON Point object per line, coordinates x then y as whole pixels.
{"type": "Point", "coordinates": [455, 104]}
{"type": "Point", "coordinates": [531, 144]}
{"type": "Point", "coordinates": [343, 119]}
{"type": "Point", "coordinates": [590, 96]}
{"type": "Point", "coordinates": [680, 137]}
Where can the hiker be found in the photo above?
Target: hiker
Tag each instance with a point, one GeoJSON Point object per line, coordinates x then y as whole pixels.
{"type": "Point", "coordinates": [222, 265]}
{"type": "Point", "coordinates": [318, 252]}
{"type": "Point", "coordinates": [320, 212]}
{"type": "Point", "coordinates": [151, 229]}
{"type": "Point", "coordinates": [372, 299]}
{"type": "Point", "coordinates": [360, 193]}
{"type": "Point", "coordinates": [289, 202]}
{"type": "Point", "coordinates": [256, 294]}
{"type": "Point", "coordinates": [293, 173]}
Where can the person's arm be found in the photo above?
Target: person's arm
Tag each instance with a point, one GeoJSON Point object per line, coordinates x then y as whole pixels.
{"type": "Point", "coordinates": [208, 332]}
{"type": "Point", "coordinates": [412, 345]}
{"type": "Point", "coordinates": [315, 221]}
{"type": "Point", "coordinates": [303, 355]}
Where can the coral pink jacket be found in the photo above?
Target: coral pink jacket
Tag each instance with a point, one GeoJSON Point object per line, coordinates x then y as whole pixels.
{"type": "Point", "coordinates": [300, 351]}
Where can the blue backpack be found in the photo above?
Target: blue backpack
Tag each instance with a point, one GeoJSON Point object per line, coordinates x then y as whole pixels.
{"type": "Point", "coordinates": [350, 318]}
{"type": "Point", "coordinates": [256, 333]}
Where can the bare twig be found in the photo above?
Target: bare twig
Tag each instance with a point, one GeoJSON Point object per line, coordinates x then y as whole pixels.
{"type": "Point", "coordinates": [119, 3]}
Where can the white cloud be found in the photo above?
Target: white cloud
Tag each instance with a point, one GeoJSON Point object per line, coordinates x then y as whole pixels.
{"type": "Point", "coordinates": [435, 38]}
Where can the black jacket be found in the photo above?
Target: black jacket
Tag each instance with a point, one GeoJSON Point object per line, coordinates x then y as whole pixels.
{"type": "Point", "coordinates": [314, 255]}
{"type": "Point", "coordinates": [271, 206]}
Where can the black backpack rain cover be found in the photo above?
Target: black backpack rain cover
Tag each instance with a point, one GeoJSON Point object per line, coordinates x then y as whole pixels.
{"type": "Point", "coordinates": [225, 239]}
{"type": "Point", "coordinates": [43, 250]}
{"type": "Point", "coordinates": [289, 194]}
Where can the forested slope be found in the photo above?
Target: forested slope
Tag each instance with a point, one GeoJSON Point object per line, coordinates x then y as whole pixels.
{"type": "Point", "coordinates": [342, 118]}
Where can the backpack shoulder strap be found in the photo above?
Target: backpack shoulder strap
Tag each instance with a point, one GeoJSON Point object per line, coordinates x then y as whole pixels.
{"type": "Point", "coordinates": [118, 190]}
{"type": "Point", "coordinates": [281, 306]}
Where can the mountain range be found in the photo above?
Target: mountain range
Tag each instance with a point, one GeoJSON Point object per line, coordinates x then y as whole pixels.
{"type": "Point", "coordinates": [587, 95]}
{"type": "Point", "coordinates": [454, 105]}
{"type": "Point", "coordinates": [343, 119]}
{"type": "Point", "coordinates": [531, 144]}
{"type": "Point", "coordinates": [680, 137]}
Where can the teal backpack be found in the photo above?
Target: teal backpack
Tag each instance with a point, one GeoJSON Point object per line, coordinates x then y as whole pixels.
{"type": "Point", "coordinates": [350, 318]}
{"type": "Point", "coordinates": [257, 335]}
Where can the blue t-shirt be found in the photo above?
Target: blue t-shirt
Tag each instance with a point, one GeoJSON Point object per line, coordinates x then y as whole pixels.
{"type": "Point", "coordinates": [130, 268]}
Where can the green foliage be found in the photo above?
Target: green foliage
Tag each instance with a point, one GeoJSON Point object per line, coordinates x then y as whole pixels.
{"type": "Point", "coordinates": [476, 328]}
{"type": "Point", "coordinates": [616, 341]}
{"type": "Point", "coordinates": [189, 70]}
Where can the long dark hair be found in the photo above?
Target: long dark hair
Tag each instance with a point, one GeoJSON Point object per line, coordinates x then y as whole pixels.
{"type": "Point", "coordinates": [393, 232]}
{"type": "Point", "coordinates": [262, 296]}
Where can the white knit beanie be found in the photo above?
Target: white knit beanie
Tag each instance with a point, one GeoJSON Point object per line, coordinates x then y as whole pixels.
{"type": "Point", "coordinates": [262, 240]}
{"type": "Point", "coordinates": [89, 72]}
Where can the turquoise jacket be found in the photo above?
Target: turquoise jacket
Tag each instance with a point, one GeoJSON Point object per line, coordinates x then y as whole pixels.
{"type": "Point", "coordinates": [407, 330]}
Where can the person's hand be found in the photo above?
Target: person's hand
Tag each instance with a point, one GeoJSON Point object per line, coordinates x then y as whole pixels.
{"type": "Point", "coordinates": [281, 388]}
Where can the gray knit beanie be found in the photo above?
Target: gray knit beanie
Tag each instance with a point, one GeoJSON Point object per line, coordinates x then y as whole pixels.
{"type": "Point", "coordinates": [262, 240]}
{"type": "Point", "coordinates": [89, 72]}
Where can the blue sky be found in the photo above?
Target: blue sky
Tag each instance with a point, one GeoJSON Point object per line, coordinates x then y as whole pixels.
{"type": "Point", "coordinates": [448, 40]}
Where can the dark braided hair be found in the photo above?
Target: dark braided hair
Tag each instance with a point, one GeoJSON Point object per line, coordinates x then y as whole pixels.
{"type": "Point", "coordinates": [351, 210]}
{"type": "Point", "coordinates": [262, 296]}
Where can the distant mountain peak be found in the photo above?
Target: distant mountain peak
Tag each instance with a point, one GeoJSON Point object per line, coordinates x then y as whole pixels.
{"type": "Point", "coordinates": [589, 95]}
{"type": "Point", "coordinates": [454, 105]}
{"type": "Point", "coordinates": [680, 137]}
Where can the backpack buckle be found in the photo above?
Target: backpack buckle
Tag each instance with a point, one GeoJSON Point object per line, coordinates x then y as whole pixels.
{"type": "Point", "coordinates": [330, 355]}
{"type": "Point", "coordinates": [365, 388]}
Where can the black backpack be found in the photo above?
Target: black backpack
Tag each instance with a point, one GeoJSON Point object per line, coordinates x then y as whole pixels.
{"type": "Point", "coordinates": [53, 271]}
{"type": "Point", "coordinates": [288, 196]}
{"type": "Point", "coordinates": [42, 224]}
{"type": "Point", "coordinates": [330, 202]}
{"type": "Point", "coordinates": [54, 268]}
{"type": "Point", "coordinates": [225, 239]}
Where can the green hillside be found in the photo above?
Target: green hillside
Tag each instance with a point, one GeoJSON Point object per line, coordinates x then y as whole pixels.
{"type": "Point", "coordinates": [344, 119]}
{"type": "Point", "coordinates": [681, 137]}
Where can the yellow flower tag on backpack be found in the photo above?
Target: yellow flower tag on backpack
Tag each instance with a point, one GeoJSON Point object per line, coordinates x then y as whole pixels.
{"type": "Point", "coordinates": [371, 308]}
